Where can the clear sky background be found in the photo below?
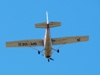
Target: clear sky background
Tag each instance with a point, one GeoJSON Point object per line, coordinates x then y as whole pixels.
{"type": "Point", "coordinates": [78, 17]}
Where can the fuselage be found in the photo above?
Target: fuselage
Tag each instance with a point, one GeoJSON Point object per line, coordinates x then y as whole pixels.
{"type": "Point", "coordinates": [47, 43]}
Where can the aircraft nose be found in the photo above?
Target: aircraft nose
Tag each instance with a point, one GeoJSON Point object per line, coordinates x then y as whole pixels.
{"type": "Point", "coordinates": [47, 56]}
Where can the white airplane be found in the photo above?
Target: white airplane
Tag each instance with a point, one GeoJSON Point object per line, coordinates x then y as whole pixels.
{"type": "Point", "coordinates": [47, 42]}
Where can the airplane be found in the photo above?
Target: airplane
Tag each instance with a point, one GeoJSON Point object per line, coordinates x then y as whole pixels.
{"type": "Point", "coordinates": [47, 42]}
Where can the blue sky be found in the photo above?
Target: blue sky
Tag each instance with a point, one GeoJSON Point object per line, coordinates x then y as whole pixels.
{"type": "Point", "coordinates": [78, 17]}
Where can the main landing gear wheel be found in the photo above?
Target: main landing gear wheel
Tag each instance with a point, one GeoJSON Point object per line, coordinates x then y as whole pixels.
{"type": "Point", "coordinates": [38, 52]}
{"type": "Point", "coordinates": [58, 50]}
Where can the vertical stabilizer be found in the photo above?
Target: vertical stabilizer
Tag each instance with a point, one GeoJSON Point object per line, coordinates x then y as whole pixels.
{"type": "Point", "coordinates": [47, 24]}
{"type": "Point", "coordinates": [47, 17]}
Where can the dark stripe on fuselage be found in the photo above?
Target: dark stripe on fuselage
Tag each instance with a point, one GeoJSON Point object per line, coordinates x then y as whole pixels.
{"type": "Point", "coordinates": [47, 26]}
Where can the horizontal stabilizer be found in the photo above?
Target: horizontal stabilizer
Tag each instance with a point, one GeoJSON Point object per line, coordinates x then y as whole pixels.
{"type": "Point", "coordinates": [44, 24]}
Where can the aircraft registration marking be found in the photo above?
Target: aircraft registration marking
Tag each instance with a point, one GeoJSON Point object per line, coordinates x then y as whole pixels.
{"type": "Point", "coordinates": [27, 44]}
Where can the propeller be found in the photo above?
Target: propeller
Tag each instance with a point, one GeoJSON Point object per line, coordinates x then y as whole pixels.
{"type": "Point", "coordinates": [48, 58]}
{"type": "Point", "coordinates": [51, 59]}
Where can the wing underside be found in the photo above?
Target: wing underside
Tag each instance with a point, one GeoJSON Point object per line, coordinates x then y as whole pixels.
{"type": "Point", "coordinates": [55, 41]}
{"type": "Point", "coordinates": [68, 40]}
{"type": "Point", "coordinates": [24, 43]}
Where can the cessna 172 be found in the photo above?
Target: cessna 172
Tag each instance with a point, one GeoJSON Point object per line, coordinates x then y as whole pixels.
{"type": "Point", "coordinates": [47, 42]}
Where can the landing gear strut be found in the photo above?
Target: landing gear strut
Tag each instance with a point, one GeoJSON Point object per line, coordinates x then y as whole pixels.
{"type": "Point", "coordinates": [56, 50]}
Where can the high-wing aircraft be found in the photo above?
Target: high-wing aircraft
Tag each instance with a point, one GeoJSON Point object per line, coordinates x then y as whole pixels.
{"type": "Point", "coordinates": [47, 42]}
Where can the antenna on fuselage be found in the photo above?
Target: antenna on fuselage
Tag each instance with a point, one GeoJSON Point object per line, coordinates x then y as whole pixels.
{"type": "Point", "coordinates": [47, 17]}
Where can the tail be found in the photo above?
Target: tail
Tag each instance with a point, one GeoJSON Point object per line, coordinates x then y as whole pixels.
{"type": "Point", "coordinates": [44, 24]}
{"type": "Point", "coordinates": [47, 17]}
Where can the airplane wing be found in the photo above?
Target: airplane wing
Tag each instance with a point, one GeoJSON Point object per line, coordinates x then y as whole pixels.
{"type": "Point", "coordinates": [67, 40]}
{"type": "Point", "coordinates": [24, 43]}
